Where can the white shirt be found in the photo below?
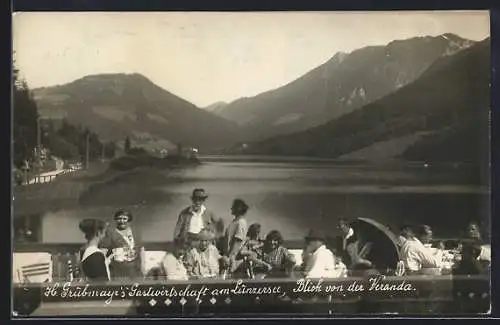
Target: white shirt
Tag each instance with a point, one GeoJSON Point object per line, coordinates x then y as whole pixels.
{"type": "Point", "coordinates": [237, 229]}
{"type": "Point", "coordinates": [485, 254]}
{"type": "Point", "coordinates": [417, 257]}
{"type": "Point", "coordinates": [128, 236]}
{"type": "Point", "coordinates": [350, 233]}
{"type": "Point", "coordinates": [321, 264]}
{"type": "Point", "coordinates": [196, 223]}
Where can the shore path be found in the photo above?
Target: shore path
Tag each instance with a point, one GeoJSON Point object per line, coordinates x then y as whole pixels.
{"type": "Point", "coordinates": [62, 192]}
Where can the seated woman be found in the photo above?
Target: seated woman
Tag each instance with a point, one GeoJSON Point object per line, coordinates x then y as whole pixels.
{"type": "Point", "coordinates": [252, 246]}
{"type": "Point", "coordinates": [94, 264]}
{"type": "Point", "coordinates": [473, 236]}
{"type": "Point", "coordinates": [172, 266]}
{"type": "Point", "coordinates": [250, 254]}
{"type": "Point", "coordinates": [203, 260]}
{"type": "Point", "coordinates": [356, 253]}
{"type": "Point", "coordinates": [277, 261]}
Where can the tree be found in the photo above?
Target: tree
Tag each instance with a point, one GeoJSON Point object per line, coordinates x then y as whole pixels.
{"type": "Point", "coordinates": [25, 116]}
{"type": "Point", "coordinates": [127, 145]}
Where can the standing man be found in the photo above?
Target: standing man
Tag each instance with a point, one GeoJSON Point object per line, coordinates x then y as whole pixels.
{"type": "Point", "coordinates": [193, 219]}
{"type": "Point", "coordinates": [126, 262]}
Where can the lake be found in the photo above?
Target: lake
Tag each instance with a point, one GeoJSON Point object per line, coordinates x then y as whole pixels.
{"type": "Point", "coordinates": [290, 196]}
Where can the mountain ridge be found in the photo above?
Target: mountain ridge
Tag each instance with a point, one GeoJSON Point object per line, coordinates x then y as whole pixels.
{"type": "Point", "coordinates": [117, 105]}
{"type": "Point", "coordinates": [442, 100]}
{"type": "Point", "coordinates": [338, 86]}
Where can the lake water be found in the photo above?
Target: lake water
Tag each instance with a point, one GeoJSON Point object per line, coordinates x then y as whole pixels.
{"type": "Point", "coordinates": [291, 196]}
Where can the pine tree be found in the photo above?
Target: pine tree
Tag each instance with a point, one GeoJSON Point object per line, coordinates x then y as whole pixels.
{"type": "Point", "coordinates": [25, 116]}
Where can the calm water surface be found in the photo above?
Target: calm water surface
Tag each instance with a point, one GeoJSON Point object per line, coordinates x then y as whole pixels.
{"type": "Point", "coordinates": [289, 196]}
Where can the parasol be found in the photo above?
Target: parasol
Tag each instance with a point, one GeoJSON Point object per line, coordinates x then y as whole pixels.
{"type": "Point", "coordinates": [384, 253]}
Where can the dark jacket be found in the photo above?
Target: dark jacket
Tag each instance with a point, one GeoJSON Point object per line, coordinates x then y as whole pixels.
{"type": "Point", "coordinates": [114, 240]}
{"type": "Point", "coordinates": [93, 264]}
{"type": "Point", "coordinates": [469, 267]}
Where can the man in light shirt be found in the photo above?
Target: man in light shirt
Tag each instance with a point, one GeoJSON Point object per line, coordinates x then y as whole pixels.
{"type": "Point", "coordinates": [405, 234]}
{"type": "Point", "coordinates": [418, 257]}
{"type": "Point", "coordinates": [319, 261]}
{"type": "Point", "coordinates": [197, 217]}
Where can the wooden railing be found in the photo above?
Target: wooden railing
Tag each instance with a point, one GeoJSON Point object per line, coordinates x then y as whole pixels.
{"type": "Point", "coordinates": [42, 179]}
{"type": "Point", "coordinates": [64, 252]}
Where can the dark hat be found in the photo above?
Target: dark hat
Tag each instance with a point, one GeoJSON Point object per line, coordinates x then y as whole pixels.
{"type": "Point", "coordinates": [240, 205]}
{"type": "Point", "coordinates": [199, 192]}
{"type": "Point", "coordinates": [315, 235]}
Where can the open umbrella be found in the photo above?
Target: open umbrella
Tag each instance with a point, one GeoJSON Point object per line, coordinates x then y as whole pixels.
{"type": "Point", "coordinates": [384, 253]}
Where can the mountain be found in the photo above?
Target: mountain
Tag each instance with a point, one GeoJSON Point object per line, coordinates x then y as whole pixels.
{"type": "Point", "coordinates": [216, 108]}
{"type": "Point", "coordinates": [441, 116]}
{"type": "Point", "coordinates": [341, 85]}
{"type": "Point", "coordinates": [119, 105]}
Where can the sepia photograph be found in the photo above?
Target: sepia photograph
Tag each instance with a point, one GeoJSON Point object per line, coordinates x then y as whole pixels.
{"type": "Point", "coordinates": [251, 164]}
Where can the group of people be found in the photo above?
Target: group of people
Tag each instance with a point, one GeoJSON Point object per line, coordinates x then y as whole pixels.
{"type": "Point", "coordinates": [420, 257]}
{"type": "Point", "coordinates": [110, 252]}
{"type": "Point", "coordinates": [204, 248]}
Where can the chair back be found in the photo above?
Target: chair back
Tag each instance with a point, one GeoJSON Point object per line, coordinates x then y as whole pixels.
{"type": "Point", "coordinates": [33, 267]}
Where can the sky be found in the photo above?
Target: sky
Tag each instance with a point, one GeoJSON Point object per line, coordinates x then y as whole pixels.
{"type": "Point", "coordinates": [211, 57]}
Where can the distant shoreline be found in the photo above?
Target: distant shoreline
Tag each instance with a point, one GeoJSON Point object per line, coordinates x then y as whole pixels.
{"type": "Point", "coordinates": [68, 192]}
{"type": "Point", "coordinates": [336, 161]}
